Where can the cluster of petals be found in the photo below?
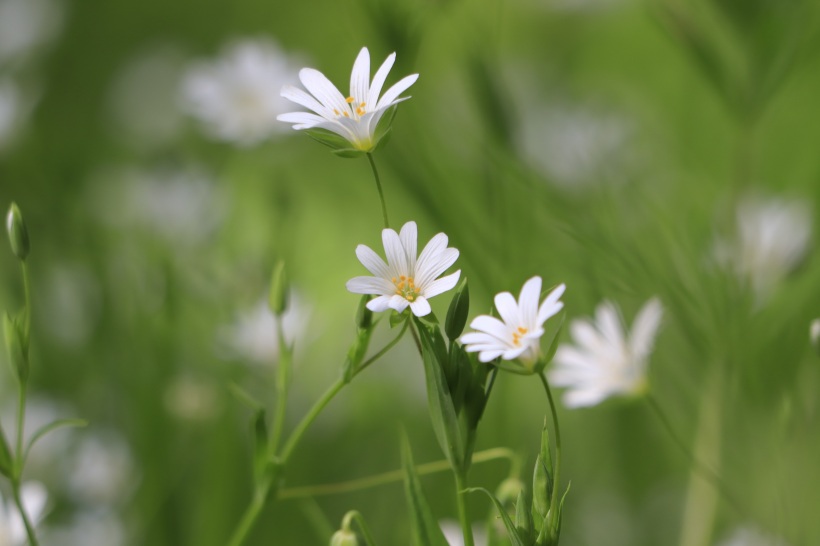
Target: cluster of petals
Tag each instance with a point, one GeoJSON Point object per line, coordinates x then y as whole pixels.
{"type": "Point", "coordinates": [518, 334]}
{"type": "Point", "coordinates": [354, 117]}
{"type": "Point", "coordinates": [605, 361]}
{"type": "Point", "coordinates": [405, 280]}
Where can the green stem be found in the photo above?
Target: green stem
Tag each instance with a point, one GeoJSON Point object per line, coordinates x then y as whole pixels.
{"type": "Point", "coordinates": [308, 419]}
{"type": "Point", "coordinates": [701, 468]}
{"type": "Point", "coordinates": [461, 498]}
{"type": "Point", "coordinates": [251, 514]}
{"type": "Point", "coordinates": [27, 290]}
{"type": "Point", "coordinates": [379, 187]}
{"type": "Point", "coordinates": [383, 351]}
{"type": "Point", "coordinates": [354, 514]}
{"type": "Point", "coordinates": [393, 476]}
{"type": "Point", "coordinates": [21, 417]}
{"type": "Point", "coordinates": [557, 477]}
{"type": "Point", "coordinates": [15, 487]}
{"type": "Point", "coordinates": [285, 360]}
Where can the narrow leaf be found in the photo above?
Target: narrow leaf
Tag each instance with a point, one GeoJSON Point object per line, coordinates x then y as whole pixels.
{"type": "Point", "coordinates": [51, 427]}
{"type": "Point", "coordinates": [515, 538]}
{"type": "Point", "coordinates": [425, 528]}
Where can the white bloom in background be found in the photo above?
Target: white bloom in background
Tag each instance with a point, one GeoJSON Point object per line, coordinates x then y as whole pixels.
{"type": "Point", "coordinates": [235, 96]}
{"type": "Point", "coordinates": [101, 470]}
{"type": "Point", "coordinates": [192, 398]}
{"type": "Point", "coordinates": [71, 304]}
{"type": "Point", "coordinates": [88, 528]}
{"type": "Point", "coordinates": [747, 536]}
{"type": "Point", "coordinates": [254, 337]}
{"type": "Point", "coordinates": [355, 117]}
{"type": "Point", "coordinates": [604, 361]}
{"type": "Point", "coordinates": [455, 535]}
{"type": "Point", "coordinates": [773, 237]}
{"type": "Point", "coordinates": [12, 529]}
{"type": "Point", "coordinates": [404, 280]}
{"type": "Point", "coordinates": [519, 335]}
{"type": "Point", "coordinates": [12, 110]}
{"type": "Point", "coordinates": [24, 25]}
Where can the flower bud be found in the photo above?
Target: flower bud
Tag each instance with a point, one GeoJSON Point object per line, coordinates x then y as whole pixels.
{"type": "Point", "coordinates": [16, 348]}
{"type": "Point", "coordinates": [814, 334]}
{"type": "Point", "coordinates": [18, 234]}
{"type": "Point", "coordinates": [6, 463]}
{"type": "Point", "coordinates": [457, 313]}
{"type": "Point", "coordinates": [540, 488]}
{"type": "Point", "coordinates": [364, 316]}
{"type": "Point", "coordinates": [344, 537]}
{"type": "Point", "coordinates": [278, 295]}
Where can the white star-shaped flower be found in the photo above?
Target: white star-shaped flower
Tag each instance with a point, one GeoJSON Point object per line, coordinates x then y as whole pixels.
{"type": "Point", "coordinates": [355, 117]}
{"type": "Point", "coordinates": [519, 335]}
{"type": "Point", "coordinates": [405, 280]}
{"type": "Point", "coordinates": [604, 362]}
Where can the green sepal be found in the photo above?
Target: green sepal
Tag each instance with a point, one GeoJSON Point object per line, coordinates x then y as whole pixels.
{"type": "Point", "coordinates": [349, 153]}
{"type": "Point", "coordinates": [364, 316]}
{"type": "Point", "coordinates": [510, 366]}
{"type": "Point", "coordinates": [328, 138]}
{"type": "Point", "coordinates": [555, 521]}
{"type": "Point", "coordinates": [17, 348]}
{"type": "Point", "coordinates": [440, 402]}
{"type": "Point", "coordinates": [6, 461]}
{"type": "Point", "coordinates": [458, 311]}
{"type": "Point", "coordinates": [397, 318]}
{"type": "Point", "coordinates": [540, 486]}
{"type": "Point", "coordinates": [556, 338]}
{"type": "Point", "coordinates": [523, 520]}
{"type": "Point", "coordinates": [18, 234]}
{"type": "Point", "coordinates": [385, 123]}
{"type": "Point", "coordinates": [515, 538]}
{"type": "Point", "coordinates": [278, 293]}
{"type": "Point", "coordinates": [424, 526]}
{"type": "Point", "coordinates": [430, 318]}
{"type": "Point", "coordinates": [383, 140]}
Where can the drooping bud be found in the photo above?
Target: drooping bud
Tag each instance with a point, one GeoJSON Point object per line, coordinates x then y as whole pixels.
{"type": "Point", "coordinates": [16, 347]}
{"type": "Point", "coordinates": [344, 537]}
{"type": "Point", "coordinates": [814, 334]}
{"type": "Point", "coordinates": [364, 316]}
{"type": "Point", "coordinates": [18, 234]}
{"type": "Point", "coordinates": [278, 295]}
{"type": "Point", "coordinates": [458, 311]}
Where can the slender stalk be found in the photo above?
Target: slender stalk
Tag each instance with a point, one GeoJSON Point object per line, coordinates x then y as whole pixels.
{"type": "Point", "coordinates": [701, 468]}
{"type": "Point", "coordinates": [354, 514]}
{"type": "Point", "coordinates": [379, 187]}
{"type": "Point", "coordinates": [285, 356]}
{"type": "Point", "coordinates": [27, 290]}
{"type": "Point", "coordinates": [32, 537]}
{"type": "Point", "coordinates": [250, 515]}
{"type": "Point", "coordinates": [21, 417]}
{"type": "Point", "coordinates": [383, 351]}
{"type": "Point", "coordinates": [391, 477]}
{"type": "Point", "coordinates": [308, 419]}
{"type": "Point", "coordinates": [417, 340]}
{"type": "Point", "coordinates": [557, 478]}
{"type": "Point", "coordinates": [461, 499]}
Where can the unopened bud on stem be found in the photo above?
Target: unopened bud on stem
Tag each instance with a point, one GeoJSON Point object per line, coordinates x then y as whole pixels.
{"type": "Point", "coordinates": [278, 295]}
{"type": "Point", "coordinates": [814, 334]}
{"type": "Point", "coordinates": [18, 234]}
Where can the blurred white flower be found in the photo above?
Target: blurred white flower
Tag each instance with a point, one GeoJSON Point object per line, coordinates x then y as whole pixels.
{"type": "Point", "coordinates": [71, 303]}
{"type": "Point", "coordinates": [253, 336]}
{"type": "Point", "coordinates": [12, 529]}
{"type": "Point", "coordinates": [455, 535]}
{"type": "Point", "coordinates": [101, 471]}
{"type": "Point", "coordinates": [92, 528]}
{"type": "Point", "coordinates": [182, 206]}
{"type": "Point", "coordinates": [575, 146]}
{"type": "Point", "coordinates": [404, 280]}
{"type": "Point", "coordinates": [748, 536]}
{"type": "Point", "coordinates": [354, 118]}
{"type": "Point", "coordinates": [604, 362]}
{"type": "Point", "coordinates": [235, 96]}
{"type": "Point", "coordinates": [143, 99]}
{"type": "Point", "coordinates": [519, 335]}
{"type": "Point", "coordinates": [773, 236]}
{"type": "Point", "coordinates": [13, 111]}
{"type": "Point", "coordinates": [192, 399]}
{"type": "Point", "coordinates": [26, 24]}
{"type": "Point", "coordinates": [814, 334]}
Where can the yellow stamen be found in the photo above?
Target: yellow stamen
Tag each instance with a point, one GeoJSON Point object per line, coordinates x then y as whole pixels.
{"type": "Point", "coordinates": [402, 277]}
{"type": "Point", "coordinates": [522, 329]}
{"type": "Point", "coordinates": [335, 111]}
{"type": "Point", "coordinates": [361, 105]}
{"type": "Point", "coordinates": [346, 115]}
{"type": "Point", "coordinates": [409, 298]}
{"type": "Point", "coordinates": [349, 100]}
{"type": "Point", "coordinates": [417, 290]}
{"type": "Point", "coordinates": [401, 285]}
{"type": "Point", "coordinates": [398, 292]}
{"type": "Point", "coordinates": [410, 280]}
{"type": "Point", "coordinates": [394, 280]}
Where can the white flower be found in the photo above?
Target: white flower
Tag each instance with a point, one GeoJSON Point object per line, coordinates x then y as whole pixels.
{"type": "Point", "coordinates": [12, 529]}
{"type": "Point", "coordinates": [772, 239]}
{"type": "Point", "coordinates": [235, 95]}
{"type": "Point", "coordinates": [24, 25]}
{"type": "Point", "coordinates": [604, 362]}
{"type": "Point", "coordinates": [102, 470]}
{"type": "Point", "coordinates": [99, 527]}
{"type": "Point", "coordinates": [519, 335]}
{"type": "Point", "coordinates": [353, 118]}
{"type": "Point", "coordinates": [747, 536]}
{"type": "Point", "coordinates": [12, 110]}
{"type": "Point", "coordinates": [404, 280]}
{"type": "Point", "coordinates": [454, 534]}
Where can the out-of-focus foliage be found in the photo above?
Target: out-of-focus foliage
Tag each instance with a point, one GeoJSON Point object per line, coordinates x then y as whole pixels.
{"type": "Point", "coordinates": [627, 148]}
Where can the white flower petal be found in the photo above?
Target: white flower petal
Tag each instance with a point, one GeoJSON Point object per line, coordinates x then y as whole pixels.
{"type": "Point", "coordinates": [428, 271]}
{"type": "Point", "coordinates": [420, 307]}
{"type": "Point", "coordinates": [396, 256]}
{"type": "Point", "coordinates": [409, 240]}
{"type": "Point", "coordinates": [608, 321]}
{"type": "Point", "coordinates": [298, 96]}
{"type": "Point", "coordinates": [488, 356]}
{"type": "Point", "coordinates": [549, 303]}
{"type": "Point", "coordinates": [322, 88]}
{"type": "Point", "coordinates": [304, 118]}
{"type": "Point", "coordinates": [584, 398]}
{"type": "Point", "coordinates": [372, 261]}
{"type": "Point", "coordinates": [492, 326]}
{"type": "Point", "coordinates": [512, 354]}
{"type": "Point", "coordinates": [393, 93]}
{"type": "Point", "coordinates": [370, 285]}
{"type": "Point", "coordinates": [398, 303]}
{"type": "Point", "coordinates": [508, 309]}
{"type": "Point", "coordinates": [380, 304]}
{"type": "Point", "coordinates": [645, 327]}
{"type": "Point", "coordinates": [545, 313]}
{"type": "Point", "coordinates": [432, 249]}
{"type": "Point", "coordinates": [528, 302]}
{"type": "Point", "coordinates": [479, 338]}
{"type": "Point", "coordinates": [379, 78]}
{"type": "Point", "coordinates": [439, 286]}
{"type": "Point", "coordinates": [360, 77]}
{"type": "Point", "coordinates": [585, 334]}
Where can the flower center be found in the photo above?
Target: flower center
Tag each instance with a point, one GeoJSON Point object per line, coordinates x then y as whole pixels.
{"type": "Point", "coordinates": [518, 334]}
{"type": "Point", "coordinates": [406, 287]}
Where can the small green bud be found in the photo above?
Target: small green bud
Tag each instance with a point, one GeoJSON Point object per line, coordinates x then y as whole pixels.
{"type": "Point", "coordinates": [523, 520]}
{"type": "Point", "coordinates": [278, 295]}
{"type": "Point", "coordinates": [18, 353]}
{"type": "Point", "coordinates": [814, 334]}
{"type": "Point", "coordinates": [344, 537]}
{"type": "Point", "coordinates": [364, 316]}
{"type": "Point", "coordinates": [458, 311]}
{"type": "Point", "coordinates": [6, 464]}
{"type": "Point", "coordinates": [540, 486]}
{"type": "Point", "coordinates": [18, 234]}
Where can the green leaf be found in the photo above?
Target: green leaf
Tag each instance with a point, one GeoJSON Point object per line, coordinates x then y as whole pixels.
{"type": "Point", "coordinates": [424, 526]}
{"type": "Point", "coordinates": [260, 444]}
{"type": "Point", "coordinates": [349, 153]}
{"type": "Point", "coordinates": [555, 521]}
{"type": "Point", "coordinates": [42, 431]}
{"type": "Point", "coordinates": [440, 402]}
{"type": "Point", "coordinates": [397, 318]}
{"type": "Point", "coordinates": [546, 455]}
{"type": "Point", "coordinates": [458, 311]}
{"type": "Point", "coordinates": [328, 138]}
{"type": "Point", "coordinates": [430, 318]}
{"type": "Point", "coordinates": [244, 397]}
{"type": "Point", "coordinates": [556, 338]}
{"type": "Point", "coordinates": [17, 350]}
{"type": "Point", "coordinates": [515, 538]}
